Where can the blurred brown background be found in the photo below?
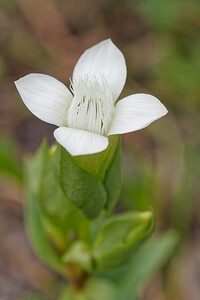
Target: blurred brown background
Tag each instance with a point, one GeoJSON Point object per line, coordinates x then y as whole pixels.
{"type": "Point", "coordinates": [161, 44]}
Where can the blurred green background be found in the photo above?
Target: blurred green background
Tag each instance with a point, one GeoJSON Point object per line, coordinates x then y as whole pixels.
{"type": "Point", "coordinates": [161, 43]}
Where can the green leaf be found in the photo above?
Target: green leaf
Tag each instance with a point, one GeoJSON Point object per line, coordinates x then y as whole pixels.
{"type": "Point", "coordinates": [91, 182]}
{"type": "Point", "coordinates": [95, 289]}
{"type": "Point", "coordinates": [41, 183]}
{"type": "Point", "coordinates": [101, 289]}
{"type": "Point", "coordinates": [147, 261]}
{"type": "Point", "coordinates": [60, 221]}
{"type": "Point", "coordinates": [67, 294]}
{"type": "Point", "coordinates": [38, 237]}
{"type": "Point", "coordinates": [84, 190]}
{"type": "Point", "coordinates": [79, 254]}
{"type": "Point", "coordinates": [56, 204]}
{"type": "Point", "coordinates": [119, 236]}
{"type": "Point", "coordinates": [36, 213]}
{"type": "Point", "coordinates": [60, 216]}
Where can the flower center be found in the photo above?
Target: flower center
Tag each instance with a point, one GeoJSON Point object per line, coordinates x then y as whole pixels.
{"type": "Point", "coordinates": [92, 106]}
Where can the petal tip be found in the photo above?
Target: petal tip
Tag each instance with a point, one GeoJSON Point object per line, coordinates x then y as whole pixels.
{"type": "Point", "coordinates": [164, 110]}
{"type": "Point", "coordinates": [108, 41]}
{"type": "Point", "coordinates": [21, 80]}
{"type": "Point", "coordinates": [103, 59]}
{"type": "Point", "coordinates": [18, 84]}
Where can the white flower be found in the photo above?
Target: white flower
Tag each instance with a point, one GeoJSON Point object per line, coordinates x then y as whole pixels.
{"type": "Point", "coordinates": [88, 114]}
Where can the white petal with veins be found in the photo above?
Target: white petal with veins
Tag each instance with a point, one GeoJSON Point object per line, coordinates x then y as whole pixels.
{"type": "Point", "coordinates": [103, 60]}
{"type": "Point", "coordinates": [91, 108]}
{"type": "Point", "coordinates": [46, 97]}
{"type": "Point", "coordinates": [136, 112]}
{"type": "Point", "coordinates": [80, 142]}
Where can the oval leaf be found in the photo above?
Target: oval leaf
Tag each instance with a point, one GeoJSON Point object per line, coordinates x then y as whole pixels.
{"type": "Point", "coordinates": [119, 236]}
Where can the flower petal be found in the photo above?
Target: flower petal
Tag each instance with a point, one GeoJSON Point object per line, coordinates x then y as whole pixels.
{"type": "Point", "coordinates": [46, 97]}
{"type": "Point", "coordinates": [80, 142]}
{"type": "Point", "coordinates": [103, 61]}
{"type": "Point", "coordinates": [136, 112]}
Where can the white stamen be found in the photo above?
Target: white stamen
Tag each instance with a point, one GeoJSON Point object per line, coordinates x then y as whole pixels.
{"type": "Point", "coordinates": [92, 106]}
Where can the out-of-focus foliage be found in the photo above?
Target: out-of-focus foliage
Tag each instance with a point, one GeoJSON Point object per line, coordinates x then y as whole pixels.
{"type": "Point", "coordinates": [96, 289]}
{"type": "Point", "coordinates": [9, 158]}
{"type": "Point", "coordinates": [32, 298]}
{"type": "Point", "coordinates": [132, 277]}
{"type": "Point", "coordinates": [145, 264]}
